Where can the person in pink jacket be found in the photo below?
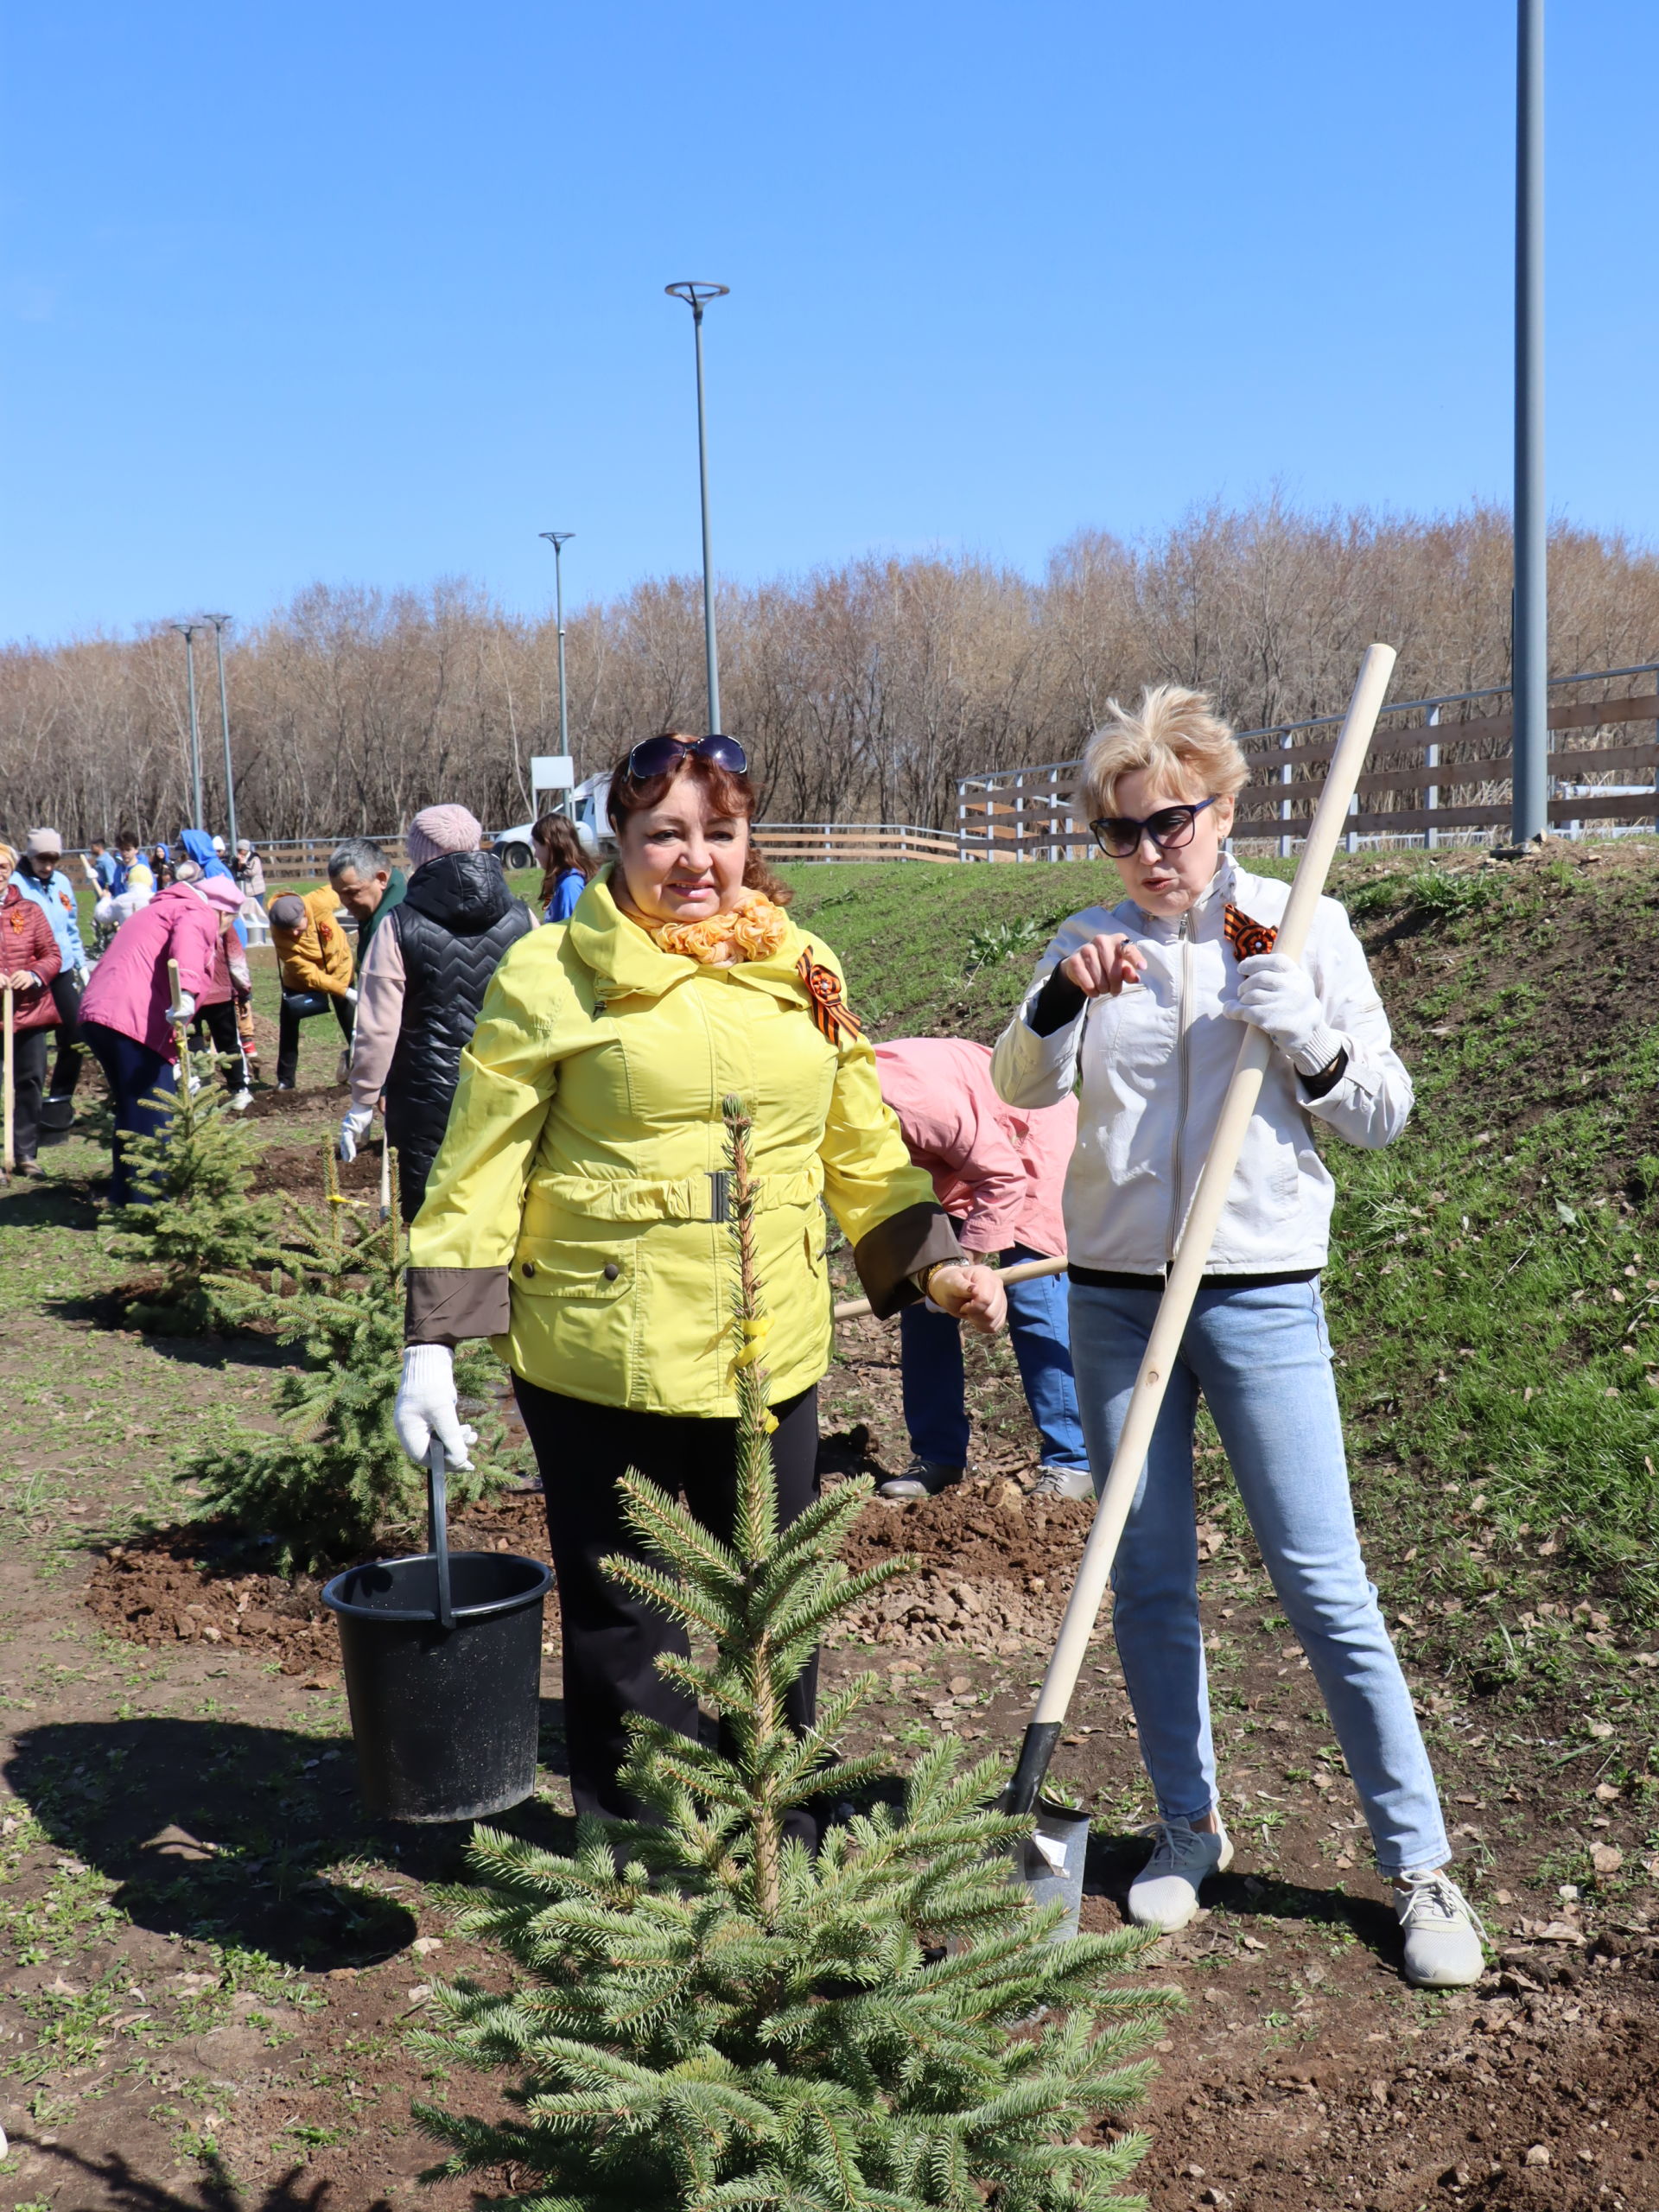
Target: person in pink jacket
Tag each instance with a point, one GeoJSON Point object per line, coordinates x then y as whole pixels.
{"type": "Point", "coordinates": [998, 1171]}
{"type": "Point", "coordinates": [127, 1015]}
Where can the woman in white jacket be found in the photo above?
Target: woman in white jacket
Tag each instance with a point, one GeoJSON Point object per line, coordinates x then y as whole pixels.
{"type": "Point", "coordinates": [1137, 1006]}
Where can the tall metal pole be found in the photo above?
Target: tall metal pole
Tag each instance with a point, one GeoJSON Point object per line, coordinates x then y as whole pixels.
{"type": "Point", "coordinates": [1530, 809]}
{"type": "Point", "coordinates": [219, 622]}
{"type": "Point", "coordinates": [558, 539]}
{"type": "Point", "coordinates": [695, 295]}
{"type": "Point", "coordinates": [188, 631]}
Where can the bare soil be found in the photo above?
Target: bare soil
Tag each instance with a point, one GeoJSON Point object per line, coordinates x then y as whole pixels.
{"type": "Point", "coordinates": [213, 1959]}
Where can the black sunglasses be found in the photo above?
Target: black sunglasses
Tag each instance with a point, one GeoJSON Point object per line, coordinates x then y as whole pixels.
{"type": "Point", "coordinates": [655, 756]}
{"type": "Point", "coordinates": [1119, 836]}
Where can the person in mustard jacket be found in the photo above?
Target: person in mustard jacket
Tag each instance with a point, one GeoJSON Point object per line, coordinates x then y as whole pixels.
{"type": "Point", "coordinates": [315, 957]}
{"type": "Point", "coordinates": [575, 1213]}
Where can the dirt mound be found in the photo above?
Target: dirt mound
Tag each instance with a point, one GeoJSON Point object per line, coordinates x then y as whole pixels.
{"type": "Point", "coordinates": [1541, 2093]}
{"type": "Point", "coordinates": [284, 1105]}
{"type": "Point", "coordinates": [296, 1172]}
{"type": "Point", "coordinates": [196, 1584]}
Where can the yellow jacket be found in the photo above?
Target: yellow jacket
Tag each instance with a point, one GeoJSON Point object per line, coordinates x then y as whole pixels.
{"type": "Point", "coordinates": [574, 1212]}
{"type": "Point", "coordinates": [317, 958]}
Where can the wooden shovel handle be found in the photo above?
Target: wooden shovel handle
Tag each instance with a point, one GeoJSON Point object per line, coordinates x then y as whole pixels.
{"type": "Point", "coordinates": [1027, 1271]}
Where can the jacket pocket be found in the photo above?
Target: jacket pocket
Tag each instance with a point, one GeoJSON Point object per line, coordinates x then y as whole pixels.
{"type": "Point", "coordinates": [575, 1270]}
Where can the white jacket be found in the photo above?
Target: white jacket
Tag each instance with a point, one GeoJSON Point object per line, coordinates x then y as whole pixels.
{"type": "Point", "coordinates": [1152, 1066]}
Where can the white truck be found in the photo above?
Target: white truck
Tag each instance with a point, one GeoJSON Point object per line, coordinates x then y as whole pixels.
{"type": "Point", "coordinates": [584, 806]}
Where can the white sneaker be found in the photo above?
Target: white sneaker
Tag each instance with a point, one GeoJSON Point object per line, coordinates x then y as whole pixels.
{"type": "Point", "coordinates": [240, 1101]}
{"type": "Point", "coordinates": [1443, 1934]}
{"type": "Point", "coordinates": [1164, 1893]}
{"type": "Point", "coordinates": [1062, 1482]}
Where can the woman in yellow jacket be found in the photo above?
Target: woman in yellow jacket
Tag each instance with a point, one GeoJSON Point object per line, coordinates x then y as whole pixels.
{"type": "Point", "coordinates": [574, 1212]}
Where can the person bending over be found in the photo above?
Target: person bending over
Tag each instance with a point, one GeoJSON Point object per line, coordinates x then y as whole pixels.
{"type": "Point", "coordinates": [997, 1171]}
{"type": "Point", "coordinates": [576, 1212]}
{"type": "Point", "coordinates": [128, 1016]}
{"type": "Point", "coordinates": [1139, 1005]}
{"type": "Point", "coordinates": [314, 957]}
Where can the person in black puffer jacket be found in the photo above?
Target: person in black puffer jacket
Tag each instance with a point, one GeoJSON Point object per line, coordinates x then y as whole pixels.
{"type": "Point", "coordinates": [423, 983]}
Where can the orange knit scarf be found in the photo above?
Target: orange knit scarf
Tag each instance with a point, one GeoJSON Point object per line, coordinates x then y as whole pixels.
{"type": "Point", "coordinates": [755, 931]}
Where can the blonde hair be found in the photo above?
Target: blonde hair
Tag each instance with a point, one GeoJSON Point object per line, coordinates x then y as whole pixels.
{"type": "Point", "coordinates": [7, 855]}
{"type": "Point", "coordinates": [1175, 736]}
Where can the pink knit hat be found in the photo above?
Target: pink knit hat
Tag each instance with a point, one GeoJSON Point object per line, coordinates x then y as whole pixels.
{"type": "Point", "coordinates": [437, 829]}
{"type": "Point", "coordinates": [221, 891]}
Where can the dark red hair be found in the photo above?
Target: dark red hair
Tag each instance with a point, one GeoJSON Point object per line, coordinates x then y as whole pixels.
{"type": "Point", "coordinates": [724, 793]}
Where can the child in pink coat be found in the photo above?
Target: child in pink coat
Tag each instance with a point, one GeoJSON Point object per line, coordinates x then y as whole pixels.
{"type": "Point", "coordinates": [998, 1171]}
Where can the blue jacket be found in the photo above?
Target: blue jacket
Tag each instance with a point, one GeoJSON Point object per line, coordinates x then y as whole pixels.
{"type": "Point", "coordinates": [566, 892]}
{"type": "Point", "coordinates": [56, 895]}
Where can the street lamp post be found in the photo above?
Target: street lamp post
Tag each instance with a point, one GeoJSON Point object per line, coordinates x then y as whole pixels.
{"type": "Point", "coordinates": [187, 631]}
{"type": "Point", "coordinates": [558, 539]}
{"type": "Point", "coordinates": [696, 295]}
{"type": "Point", "coordinates": [219, 622]}
{"type": "Point", "coordinates": [1529, 805]}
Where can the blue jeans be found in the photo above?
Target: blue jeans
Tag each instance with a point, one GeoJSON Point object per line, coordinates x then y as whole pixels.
{"type": "Point", "coordinates": [930, 1350]}
{"type": "Point", "coordinates": [1262, 1359]}
{"type": "Point", "coordinates": [134, 1074]}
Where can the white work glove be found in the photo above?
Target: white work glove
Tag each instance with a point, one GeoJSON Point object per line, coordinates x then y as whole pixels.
{"type": "Point", "coordinates": [22, 979]}
{"type": "Point", "coordinates": [82, 974]}
{"type": "Point", "coordinates": [350, 994]}
{"type": "Point", "coordinates": [426, 1406]}
{"type": "Point", "coordinates": [184, 1008]}
{"type": "Point", "coordinates": [1275, 993]}
{"type": "Point", "coordinates": [354, 1125]}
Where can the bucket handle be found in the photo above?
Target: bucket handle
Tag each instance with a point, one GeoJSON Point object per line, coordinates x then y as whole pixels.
{"type": "Point", "coordinates": [438, 1530]}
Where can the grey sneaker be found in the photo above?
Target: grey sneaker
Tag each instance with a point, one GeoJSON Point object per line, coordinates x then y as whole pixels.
{"type": "Point", "coordinates": [1443, 1935]}
{"type": "Point", "coordinates": [1062, 1482]}
{"type": "Point", "coordinates": [921, 1478]}
{"type": "Point", "coordinates": [1164, 1893]}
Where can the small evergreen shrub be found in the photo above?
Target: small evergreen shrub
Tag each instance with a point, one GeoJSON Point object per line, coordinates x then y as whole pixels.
{"type": "Point", "coordinates": [336, 1477]}
{"type": "Point", "coordinates": [198, 1226]}
{"type": "Point", "coordinates": [715, 2017]}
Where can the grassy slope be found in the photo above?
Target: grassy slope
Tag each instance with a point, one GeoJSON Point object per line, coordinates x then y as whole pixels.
{"type": "Point", "coordinates": [1496, 1272]}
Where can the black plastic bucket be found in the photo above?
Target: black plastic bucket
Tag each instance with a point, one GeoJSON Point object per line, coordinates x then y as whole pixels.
{"type": "Point", "coordinates": [443, 1670]}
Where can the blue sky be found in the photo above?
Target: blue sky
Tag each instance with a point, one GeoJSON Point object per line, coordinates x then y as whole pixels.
{"type": "Point", "coordinates": [372, 293]}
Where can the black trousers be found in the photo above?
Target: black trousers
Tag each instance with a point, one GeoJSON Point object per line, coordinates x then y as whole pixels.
{"type": "Point", "coordinates": [612, 1638]}
{"type": "Point", "coordinates": [298, 1007]}
{"type": "Point", "coordinates": [220, 1021]}
{"type": "Point", "coordinates": [28, 1080]}
{"type": "Point", "coordinates": [67, 994]}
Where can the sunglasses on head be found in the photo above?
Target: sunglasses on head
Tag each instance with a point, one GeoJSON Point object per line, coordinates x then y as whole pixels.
{"type": "Point", "coordinates": [655, 756]}
{"type": "Point", "coordinates": [1119, 836]}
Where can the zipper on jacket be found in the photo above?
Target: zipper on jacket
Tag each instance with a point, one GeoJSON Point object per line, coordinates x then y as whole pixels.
{"type": "Point", "coordinates": [1183, 1000]}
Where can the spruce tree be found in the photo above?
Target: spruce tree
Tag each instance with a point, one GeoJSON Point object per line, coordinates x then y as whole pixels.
{"type": "Point", "coordinates": [336, 1478]}
{"type": "Point", "coordinates": [716, 2018]}
{"type": "Point", "coordinates": [196, 1220]}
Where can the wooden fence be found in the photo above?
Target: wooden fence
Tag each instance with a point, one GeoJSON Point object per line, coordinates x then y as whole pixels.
{"type": "Point", "coordinates": [298, 860]}
{"type": "Point", "coordinates": [1440, 778]}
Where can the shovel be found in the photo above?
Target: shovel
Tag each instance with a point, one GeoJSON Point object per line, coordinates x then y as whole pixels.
{"type": "Point", "coordinates": [1051, 1856]}
{"type": "Point", "coordinates": [1027, 1271]}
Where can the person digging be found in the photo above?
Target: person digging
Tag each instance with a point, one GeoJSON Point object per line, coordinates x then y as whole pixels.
{"type": "Point", "coordinates": [1137, 1006]}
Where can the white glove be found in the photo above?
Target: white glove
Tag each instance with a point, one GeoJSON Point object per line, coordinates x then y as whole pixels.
{"type": "Point", "coordinates": [1275, 993]}
{"type": "Point", "coordinates": [354, 1124]}
{"type": "Point", "coordinates": [350, 994]}
{"type": "Point", "coordinates": [184, 1008]}
{"type": "Point", "coordinates": [426, 1406]}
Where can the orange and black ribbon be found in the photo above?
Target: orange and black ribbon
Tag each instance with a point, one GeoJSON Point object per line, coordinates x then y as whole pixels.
{"type": "Point", "coordinates": [834, 1017]}
{"type": "Point", "coordinates": [1247, 938]}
